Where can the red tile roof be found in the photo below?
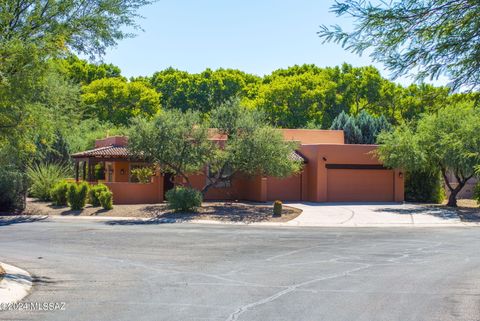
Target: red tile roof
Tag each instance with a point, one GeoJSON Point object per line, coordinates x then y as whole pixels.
{"type": "Point", "coordinates": [114, 151]}
{"type": "Point", "coordinates": [111, 151]}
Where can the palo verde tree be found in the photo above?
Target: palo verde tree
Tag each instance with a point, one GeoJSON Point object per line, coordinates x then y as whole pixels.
{"type": "Point", "coordinates": [177, 142]}
{"type": "Point", "coordinates": [448, 141]}
{"type": "Point", "coordinates": [184, 143]}
{"type": "Point", "coordinates": [433, 37]}
{"type": "Point", "coordinates": [252, 147]}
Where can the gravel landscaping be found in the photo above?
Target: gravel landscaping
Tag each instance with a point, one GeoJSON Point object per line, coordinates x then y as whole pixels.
{"type": "Point", "coordinates": [218, 211]}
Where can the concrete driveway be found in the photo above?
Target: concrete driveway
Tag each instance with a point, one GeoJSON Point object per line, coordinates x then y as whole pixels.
{"type": "Point", "coordinates": [190, 272]}
{"type": "Point", "coordinates": [373, 214]}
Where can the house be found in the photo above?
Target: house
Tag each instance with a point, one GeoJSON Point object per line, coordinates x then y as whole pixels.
{"type": "Point", "coordinates": [333, 172]}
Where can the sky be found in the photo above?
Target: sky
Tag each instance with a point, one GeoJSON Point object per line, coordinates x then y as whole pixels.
{"type": "Point", "coordinates": [254, 36]}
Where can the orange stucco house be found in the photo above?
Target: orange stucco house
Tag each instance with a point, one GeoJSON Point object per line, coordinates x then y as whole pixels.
{"type": "Point", "coordinates": [333, 172]}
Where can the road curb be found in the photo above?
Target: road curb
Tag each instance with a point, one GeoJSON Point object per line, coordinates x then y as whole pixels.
{"type": "Point", "coordinates": [15, 285]}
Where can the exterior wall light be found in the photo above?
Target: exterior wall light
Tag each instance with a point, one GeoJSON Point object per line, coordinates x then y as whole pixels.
{"type": "Point", "coordinates": [400, 175]}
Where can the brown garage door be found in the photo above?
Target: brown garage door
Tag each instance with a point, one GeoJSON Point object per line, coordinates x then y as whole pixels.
{"type": "Point", "coordinates": [360, 185]}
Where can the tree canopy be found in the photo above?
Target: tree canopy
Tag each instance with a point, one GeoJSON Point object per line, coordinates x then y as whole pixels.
{"type": "Point", "coordinates": [117, 101]}
{"type": "Point", "coordinates": [183, 143]}
{"type": "Point", "coordinates": [448, 140]}
{"type": "Point", "coordinates": [428, 38]}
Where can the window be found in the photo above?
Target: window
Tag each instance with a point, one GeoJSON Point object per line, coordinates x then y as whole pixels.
{"type": "Point", "coordinates": [133, 166]}
{"type": "Point", "coordinates": [224, 183]}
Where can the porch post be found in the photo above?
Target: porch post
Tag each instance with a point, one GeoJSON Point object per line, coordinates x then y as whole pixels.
{"type": "Point", "coordinates": [76, 170]}
{"type": "Point", "coordinates": [89, 170]}
{"type": "Point", "coordinates": [84, 170]}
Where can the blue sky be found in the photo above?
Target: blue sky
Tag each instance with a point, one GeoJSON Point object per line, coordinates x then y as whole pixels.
{"type": "Point", "coordinates": [254, 36]}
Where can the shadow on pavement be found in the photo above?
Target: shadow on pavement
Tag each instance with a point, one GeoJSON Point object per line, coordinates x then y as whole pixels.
{"type": "Point", "coordinates": [10, 220]}
{"type": "Point", "coordinates": [153, 221]}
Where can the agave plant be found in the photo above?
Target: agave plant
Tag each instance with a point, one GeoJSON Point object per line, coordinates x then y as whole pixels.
{"type": "Point", "coordinates": [43, 177]}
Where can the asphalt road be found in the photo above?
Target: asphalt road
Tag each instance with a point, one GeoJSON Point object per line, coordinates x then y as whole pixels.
{"type": "Point", "coordinates": [212, 272]}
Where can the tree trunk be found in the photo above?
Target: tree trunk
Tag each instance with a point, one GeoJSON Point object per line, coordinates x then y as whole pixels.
{"type": "Point", "coordinates": [452, 199]}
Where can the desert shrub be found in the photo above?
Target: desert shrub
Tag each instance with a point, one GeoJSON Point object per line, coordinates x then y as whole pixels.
{"type": "Point", "coordinates": [13, 188]}
{"type": "Point", "coordinates": [143, 174]}
{"type": "Point", "coordinates": [476, 193]}
{"type": "Point", "coordinates": [77, 195]}
{"type": "Point", "coordinates": [183, 199]}
{"type": "Point", "coordinates": [59, 193]}
{"type": "Point", "coordinates": [43, 177]}
{"type": "Point", "coordinates": [106, 199]}
{"type": "Point", "coordinates": [94, 193]}
{"type": "Point", "coordinates": [424, 187]}
{"type": "Point", "coordinates": [277, 208]}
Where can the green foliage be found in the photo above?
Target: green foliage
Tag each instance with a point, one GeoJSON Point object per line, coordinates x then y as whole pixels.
{"type": "Point", "coordinates": [424, 187]}
{"type": "Point", "coordinates": [434, 37]}
{"type": "Point", "coordinates": [476, 193]}
{"type": "Point", "coordinates": [292, 101]}
{"type": "Point", "coordinates": [177, 142]}
{"type": "Point", "coordinates": [13, 189]}
{"type": "Point", "coordinates": [94, 193]}
{"type": "Point", "coordinates": [448, 141]}
{"type": "Point", "coordinates": [143, 174]}
{"type": "Point", "coordinates": [83, 72]}
{"type": "Point", "coordinates": [181, 144]}
{"type": "Point", "coordinates": [82, 136]}
{"type": "Point", "coordinates": [59, 193]}
{"type": "Point", "coordinates": [115, 100]}
{"type": "Point", "coordinates": [106, 200]}
{"type": "Point", "coordinates": [277, 208]}
{"type": "Point", "coordinates": [362, 129]}
{"type": "Point", "coordinates": [35, 97]}
{"type": "Point", "coordinates": [77, 195]}
{"type": "Point", "coordinates": [43, 178]}
{"type": "Point", "coordinates": [204, 91]}
{"type": "Point", "coordinates": [183, 199]}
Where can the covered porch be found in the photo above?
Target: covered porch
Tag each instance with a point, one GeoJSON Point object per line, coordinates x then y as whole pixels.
{"type": "Point", "coordinates": [109, 163]}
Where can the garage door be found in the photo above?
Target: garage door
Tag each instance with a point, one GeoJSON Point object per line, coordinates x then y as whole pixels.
{"type": "Point", "coordinates": [360, 185]}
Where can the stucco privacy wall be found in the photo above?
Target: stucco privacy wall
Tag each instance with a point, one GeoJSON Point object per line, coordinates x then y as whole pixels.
{"type": "Point", "coordinates": [134, 193]}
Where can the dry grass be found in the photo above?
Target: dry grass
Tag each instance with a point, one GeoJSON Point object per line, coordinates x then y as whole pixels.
{"type": "Point", "coordinates": [217, 211]}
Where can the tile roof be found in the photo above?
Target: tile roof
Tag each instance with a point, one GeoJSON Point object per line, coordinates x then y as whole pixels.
{"type": "Point", "coordinates": [296, 155]}
{"type": "Point", "coordinates": [106, 151]}
{"type": "Point", "coordinates": [114, 151]}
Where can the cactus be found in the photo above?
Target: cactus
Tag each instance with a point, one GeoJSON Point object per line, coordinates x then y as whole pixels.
{"type": "Point", "coordinates": [277, 209]}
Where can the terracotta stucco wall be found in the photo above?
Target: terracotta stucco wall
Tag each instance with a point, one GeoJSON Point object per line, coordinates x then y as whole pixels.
{"type": "Point", "coordinates": [117, 172]}
{"type": "Point", "coordinates": [134, 193]}
{"type": "Point", "coordinates": [314, 136]}
{"type": "Point", "coordinates": [284, 189]}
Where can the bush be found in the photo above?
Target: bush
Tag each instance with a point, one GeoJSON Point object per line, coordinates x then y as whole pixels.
{"type": "Point", "coordinates": [43, 177]}
{"type": "Point", "coordinates": [476, 193]}
{"type": "Point", "coordinates": [184, 199]}
{"type": "Point", "coordinates": [424, 187]}
{"type": "Point", "coordinates": [94, 193]}
{"type": "Point", "coordinates": [143, 174]}
{"type": "Point", "coordinates": [77, 195]}
{"type": "Point", "coordinates": [277, 209]}
{"type": "Point", "coordinates": [13, 189]}
{"type": "Point", "coordinates": [59, 193]}
{"type": "Point", "coordinates": [106, 199]}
